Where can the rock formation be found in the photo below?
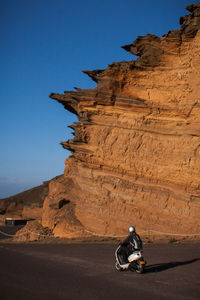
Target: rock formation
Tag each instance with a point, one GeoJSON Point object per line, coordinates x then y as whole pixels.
{"type": "Point", "coordinates": [136, 148]}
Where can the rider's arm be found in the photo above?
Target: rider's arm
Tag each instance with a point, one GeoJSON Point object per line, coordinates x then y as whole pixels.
{"type": "Point", "coordinates": [138, 242]}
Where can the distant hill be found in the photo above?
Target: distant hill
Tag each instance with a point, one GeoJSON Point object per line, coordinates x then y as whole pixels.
{"type": "Point", "coordinates": [28, 200]}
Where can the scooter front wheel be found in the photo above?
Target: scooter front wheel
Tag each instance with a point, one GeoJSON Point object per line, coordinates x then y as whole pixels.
{"type": "Point", "coordinates": [117, 266]}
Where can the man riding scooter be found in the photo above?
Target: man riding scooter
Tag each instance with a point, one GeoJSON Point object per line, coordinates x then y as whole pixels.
{"type": "Point", "coordinates": [131, 243]}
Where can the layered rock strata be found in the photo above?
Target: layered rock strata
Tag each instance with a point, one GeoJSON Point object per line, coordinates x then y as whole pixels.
{"type": "Point", "coordinates": [136, 148]}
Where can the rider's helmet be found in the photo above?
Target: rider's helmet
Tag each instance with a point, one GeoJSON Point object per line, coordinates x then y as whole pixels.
{"type": "Point", "coordinates": [131, 229]}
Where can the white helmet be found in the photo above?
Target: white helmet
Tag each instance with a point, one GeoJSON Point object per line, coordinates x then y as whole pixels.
{"type": "Point", "coordinates": [131, 229]}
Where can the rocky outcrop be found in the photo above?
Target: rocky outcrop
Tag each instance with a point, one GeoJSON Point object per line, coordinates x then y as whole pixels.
{"type": "Point", "coordinates": [33, 231]}
{"type": "Point", "coordinates": [136, 148]}
{"type": "Point", "coordinates": [59, 207]}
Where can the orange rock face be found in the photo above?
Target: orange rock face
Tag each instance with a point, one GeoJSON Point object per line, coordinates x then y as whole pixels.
{"type": "Point", "coordinates": [136, 151]}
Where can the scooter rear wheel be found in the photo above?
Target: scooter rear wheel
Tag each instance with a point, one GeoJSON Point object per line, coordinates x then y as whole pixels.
{"type": "Point", "coordinates": [136, 267]}
{"type": "Point", "coordinates": [139, 268]}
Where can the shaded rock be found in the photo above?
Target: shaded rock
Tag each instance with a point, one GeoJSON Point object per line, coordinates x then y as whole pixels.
{"type": "Point", "coordinates": [33, 231]}
{"type": "Point", "coordinates": [150, 48]}
{"type": "Point", "coordinates": [94, 75]}
{"type": "Point", "coordinates": [59, 208]}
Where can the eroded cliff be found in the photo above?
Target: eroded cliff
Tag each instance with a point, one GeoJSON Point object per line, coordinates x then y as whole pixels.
{"type": "Point", "coordinates": [136, 148]}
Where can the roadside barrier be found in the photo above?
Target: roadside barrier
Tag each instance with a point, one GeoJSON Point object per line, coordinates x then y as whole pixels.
{"type": "Point", "coordinates": [102, 235]}
{"type": "Point", "coordinates": [6, 234]}
{"type": "Point", "coordinates": [148, 231]}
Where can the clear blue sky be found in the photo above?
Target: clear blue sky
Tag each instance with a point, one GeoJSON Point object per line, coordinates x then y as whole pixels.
{"type": "Point", "coordinates": [45, 44]}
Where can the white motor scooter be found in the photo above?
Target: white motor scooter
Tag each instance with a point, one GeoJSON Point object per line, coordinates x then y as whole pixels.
{"type": "Point", "coordinates": [136, 261]}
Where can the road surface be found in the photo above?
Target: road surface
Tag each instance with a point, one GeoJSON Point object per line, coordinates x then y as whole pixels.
{"type": "Point", "coordinates": [86, 271]}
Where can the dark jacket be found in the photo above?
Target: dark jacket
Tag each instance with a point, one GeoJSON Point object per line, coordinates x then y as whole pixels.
{"type": "Point", "coordinates": [133, 240]}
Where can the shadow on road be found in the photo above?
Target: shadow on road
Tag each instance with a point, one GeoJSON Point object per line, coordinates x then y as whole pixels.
{"type": "Point", "coordinates": [166, 266]}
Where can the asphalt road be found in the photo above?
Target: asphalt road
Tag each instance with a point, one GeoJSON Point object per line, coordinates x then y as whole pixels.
{"type": "Point", "coordinates": [86, 271]}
